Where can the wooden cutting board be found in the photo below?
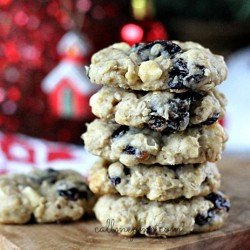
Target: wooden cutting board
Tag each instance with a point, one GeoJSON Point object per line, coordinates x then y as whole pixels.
{"type": "Point", "coordinates": [81, 235]}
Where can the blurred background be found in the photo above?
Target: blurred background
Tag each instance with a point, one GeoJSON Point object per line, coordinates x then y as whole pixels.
{"type": "Point", "coordinates": [45, 44]}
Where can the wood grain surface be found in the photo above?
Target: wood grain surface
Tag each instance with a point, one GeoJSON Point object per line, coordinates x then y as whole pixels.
{"type": "Point", "coordinates": [81, 235]}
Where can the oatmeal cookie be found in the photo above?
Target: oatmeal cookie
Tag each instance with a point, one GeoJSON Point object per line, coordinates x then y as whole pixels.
{"type": "Point", "coordinates": [155, 182]}
{"type": "Point", "coordinates": [132, 146]}
{"type": "Point", "coordinates": [130, 216]}
{"type": "Point", "coordinates": [46, 195]}
{"type": "Point", "coordinates": [158, 65]}
{"type": "Point", "coordinates": [158, 110]}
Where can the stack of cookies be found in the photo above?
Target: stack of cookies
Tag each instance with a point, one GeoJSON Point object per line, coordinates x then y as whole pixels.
{"type": "Point", "coordinates": [158, 138]}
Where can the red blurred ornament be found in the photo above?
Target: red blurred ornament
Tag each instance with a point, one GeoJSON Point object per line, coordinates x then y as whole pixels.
{"type": "Point", "coordinates": [143, 31]}
{"type": "Point", "coordinates": [145, 28]}
{"type": "Point", "coordinates": [4, 3]}
{"type": "Point", "coordinates": [132, 33]}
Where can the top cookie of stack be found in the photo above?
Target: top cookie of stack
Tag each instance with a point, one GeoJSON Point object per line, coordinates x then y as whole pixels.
{"type": "Point", "coordinates": [159, 65]}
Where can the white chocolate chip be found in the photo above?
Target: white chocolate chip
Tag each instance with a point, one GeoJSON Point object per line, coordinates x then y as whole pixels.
{"type": "Point", "coordinates": [121, 46]}
{"type": "Point", "coordinates": [2, 194]}
{"type": "Point", "coordinates": [155, 50]}
{"type": "Point", "coordinates": [32, 196]}
{"type": "Point", "coordinates": [149, 71]}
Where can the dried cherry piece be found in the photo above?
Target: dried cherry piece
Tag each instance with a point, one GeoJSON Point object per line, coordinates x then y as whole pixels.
{"type": "Point", "coordinates": [126, 171]}
{"type": "Point", "coordinates": [120, 131]}
{"type": "Point", "coordinates": [157, 122]}
{"type": "Point", "coordinates": [150, 230]}
{"type": "Point", "coordinates": [178, 115]}
{"type": "Point", "coordinates": [211, 120]}
{"type": "Point", "coordinates": [197, 77]}
{"type": "Point", "coordinates": [129, 150]}
{"type": "Point", "coordinates": [177, 122]}
{"type": "Point", "coordinates": [115, 180]}
{"type": "Point", "coordinates": [141, 155]}
{"type": "Point", "coordinates": [202, 220]}
{"type": "Point", "coordinates": [177, 74]}
{"type": "Point", "coordinates": [218, 201]}
{"type": "Point", "coordinates": [72, 194]}
{"type": "Point", "coordinates": [50, 176]}
{"type": "Point", "coordinates": [143, 49]}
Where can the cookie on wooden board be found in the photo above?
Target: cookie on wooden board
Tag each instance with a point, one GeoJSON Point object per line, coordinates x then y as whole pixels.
{"type": "Point", "coordinates": [44, 195]}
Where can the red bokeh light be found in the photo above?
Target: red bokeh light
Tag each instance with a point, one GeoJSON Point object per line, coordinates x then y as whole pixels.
{"type": "Point", "coordinates": [132, 33]}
